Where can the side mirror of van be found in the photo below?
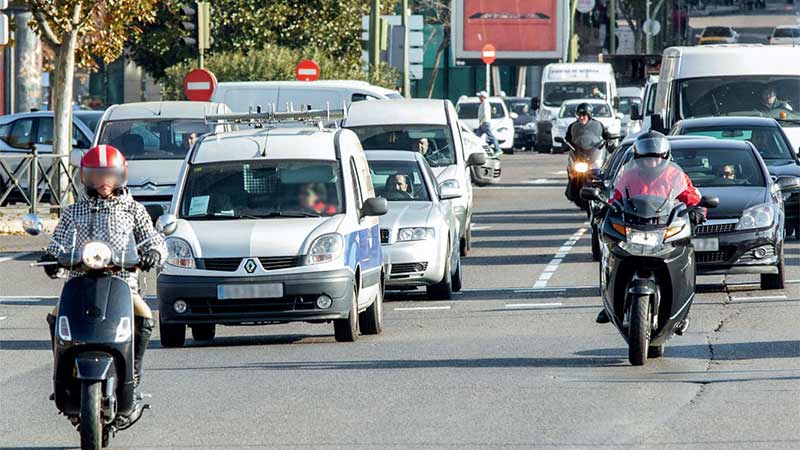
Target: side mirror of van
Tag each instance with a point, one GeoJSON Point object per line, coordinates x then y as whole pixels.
{"type": "Point", "coordinates": [75, 156]}
{"type": "Point", "coordinates": [476, 159]}
{"type": "Point", "coordinates": [615, 102]}
{"type": "Point", "coordinates": [535, 104]}
{"type": "Point", "coordinates": [636, 112]}
{"type": "Point", "coordinates": [375, 206]}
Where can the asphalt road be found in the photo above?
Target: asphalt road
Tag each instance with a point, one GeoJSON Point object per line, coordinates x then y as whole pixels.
{"type": "Point", "coordinates": [503, 365]}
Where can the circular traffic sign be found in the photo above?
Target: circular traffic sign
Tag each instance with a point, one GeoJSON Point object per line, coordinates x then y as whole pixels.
{"type": "Point", "coordinates": [307, 70]}
{"type": "Point", "coordinates": [488, 54]}
{"type": "Point", "coordinates": [199, 85]}
{"type": "Point", "coordinates": [651, 27]}
{"type": "Point", "coordinates": [585, 6]}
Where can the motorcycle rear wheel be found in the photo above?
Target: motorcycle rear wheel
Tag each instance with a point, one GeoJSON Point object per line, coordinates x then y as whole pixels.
{"type": "Point", "coordinates": [91, 427]}
{"type": "Point", "coordinates": [639, 330]}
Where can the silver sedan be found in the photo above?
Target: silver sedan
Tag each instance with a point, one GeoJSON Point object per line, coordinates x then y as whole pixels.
{"type": "Point", "coordinates": [419, 234]}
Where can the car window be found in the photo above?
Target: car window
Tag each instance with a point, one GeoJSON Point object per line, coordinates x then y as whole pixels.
{"type": "Point", "coordinates": [720, 167]}
{"type": "Point", "coordinates": [768, 140]}
{"type": "Point", "coordinates": [435, 142]}
{"type": "Point", "coordinates": [21, 134]}
{"type": "Point", "coordinates": [359, 200]}
{"type": "Point", "coordinates": [470, 110]}
{"type": "Point", "coordinates": [717, 32]}
{"type": "Point", "coordinates": [625, 104]}
{"type": "Point", "coordinates": [5, 128]}
{"type": "Point", "coordinates": [153, 139]}
{"type": "Point", "coordinates": [557, 92]}
{"type": "Point", "coordinates": [262, 188]}
{"type": "Point", "coordinates": [44, 134]}
{"type": "Point", "coordinates": [740, 96]}
{"type": "Point", "coordinates": [357, 97]}
{"type": "Point", "coordinates": [398, 181]}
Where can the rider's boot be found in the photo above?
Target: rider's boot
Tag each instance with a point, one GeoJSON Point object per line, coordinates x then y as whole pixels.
{"type": "Point", "coordinates": [143, 329]}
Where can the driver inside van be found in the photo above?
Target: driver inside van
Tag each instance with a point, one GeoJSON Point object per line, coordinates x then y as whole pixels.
{"type": "Point", "coordinates": [423, 145]}
{"type": "Point", "coordinates": [769, 101]}
{"type": "Point", "coordinates": [310, 197]}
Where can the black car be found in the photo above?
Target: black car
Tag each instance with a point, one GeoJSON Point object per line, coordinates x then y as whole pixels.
{"type": "Point", "coordinates": [770, 140]}
{"type": "Point", "coordinates": [745, 233]}
{"type": "Point", "coordinates": [524, 123]}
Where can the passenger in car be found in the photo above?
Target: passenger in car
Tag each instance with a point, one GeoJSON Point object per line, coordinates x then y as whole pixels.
{"type": "Point", "coordinates": [311, 196]}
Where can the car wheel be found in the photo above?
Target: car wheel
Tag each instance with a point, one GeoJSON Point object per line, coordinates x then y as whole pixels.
{"type": "Point", "coordinates": [204, 332]}
{"type": "Point", "coordinates": [172, 335]}
{"type": "Point", "coordinates": [776, 280]}
{"type": "Point", "coordinates": [457, 275]}
{"type": "Point", "coordinates": [346, 330]}
{"type": "Point", "coordinates": [371, 320]}
{"type": "Point", "coordinates": [442, 290]}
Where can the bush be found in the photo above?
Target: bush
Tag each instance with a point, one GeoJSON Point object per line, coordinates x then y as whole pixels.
{"type": "Point", "coordinates": [272, 63]}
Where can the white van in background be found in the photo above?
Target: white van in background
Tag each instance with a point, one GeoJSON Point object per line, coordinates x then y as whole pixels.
{"type": "Point", "coordinates": [730, 80]}
{"type": "Point", "coordinates": [570, 81]}
{"type": "Point", "coordinates": [244, 96]}
{"type": "Point", "coordinates": [155, 137]}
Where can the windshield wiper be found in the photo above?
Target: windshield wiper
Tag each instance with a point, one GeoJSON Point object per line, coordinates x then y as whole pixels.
{"type": "Point", "coordinates": [286, 214]}
{"type": "Point", "coordinates": [213, 216]}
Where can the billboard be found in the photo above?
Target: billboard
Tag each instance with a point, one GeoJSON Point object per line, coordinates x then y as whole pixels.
{"type": "Point", "coordinates": [520, 30]}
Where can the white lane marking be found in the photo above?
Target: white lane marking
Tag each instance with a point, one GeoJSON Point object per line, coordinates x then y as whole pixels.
{"type": "Point", "coordinates": [762, 297]}
{"type": "Point", "coordinates": [558, 258]}
{"type": "Point", "coordinates": [480, 227]}
{"type": "Point", "coordinates": [2, 317]}
{"type": "Point", "coordinates": [544, 181]}
{"type": "Point", "coordinates": [15, 256]}
{"type": "Point", "coordinates": [559, 172]}
{"type": "Point", "coordinates": [421, 308]}
{"type": "Point", "coordinates": [20, 300]}
{"type": "Point", "coordinates": [533, 305]}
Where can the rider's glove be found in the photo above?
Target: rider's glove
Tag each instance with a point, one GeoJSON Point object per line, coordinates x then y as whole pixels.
{"type": "Point", "coordinates": [150, 259]}
{"type": "Point", "coordinates": [697, 216]}
{"type": "Point", "coordinates": [51, 269]}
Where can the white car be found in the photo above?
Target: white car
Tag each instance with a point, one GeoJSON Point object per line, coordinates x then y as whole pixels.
{"type": "Point", "coordinates": [502, 120]}
{"type": "Point", "coordinates": [785, 35]}
{"type": "Point", "coordinates": [603, 112]}
{"type": "Point", "coordinates": [419, 234]}
{"type": "Point", "coordinates": [718, 35]}
{"type": "Point", "coordinates": [276, 224]}
{"type": "Point", "coordinates": [628, 98]}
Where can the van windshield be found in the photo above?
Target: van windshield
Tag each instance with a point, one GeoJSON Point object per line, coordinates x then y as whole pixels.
{"type": "Point", "coordinates": [777, 97]}
{"type": "Point", "coordinates": [556, 93]}
{"type": "Point", "coordinates": [435, 142]}
{"type": "Point", "coordinates": [141, 139]}
{"type": "Point", "coordinates": [262, 189]}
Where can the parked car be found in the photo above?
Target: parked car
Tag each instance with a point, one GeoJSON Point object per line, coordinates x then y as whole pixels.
{"type": "Point", "coordinates": [502, 119]}
{"type": "Point", "coordinates": [419, 234]}
{"type": "Point", "coordinates": [718, 35]}
{"type": "Point", "coordinates": [275, 225]}
{"type": "Point", "coordinates": [491, 170]}
{"type": "Point", "coordinates": [630, 99]}
{"type": "Point", "coordinates": [431, 128]}
{"type": "Point", "coordinates": [603, 112]}
{"type": "Point", "coordinates": [770, 141]}
{"type": "Point", "coordinates": [524, 123]}
{"type": "Point", "coordinates": [155, 137]}
{"type": "Point", "coordinates": [785, 35]}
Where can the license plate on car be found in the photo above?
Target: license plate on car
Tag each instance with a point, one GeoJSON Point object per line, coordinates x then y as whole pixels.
{"type": "Point", "coordinates": [249, 291]}
{"type": "Point", "coordinates": [706, 245]}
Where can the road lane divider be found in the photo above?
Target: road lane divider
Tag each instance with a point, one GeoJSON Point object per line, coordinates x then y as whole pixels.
{"type": "Point", "coordinates": [558, 258]}
{"type": "Point", "coordinates": [421, 308]}
{"type": "Point", "coordinates": [532, 305]}
{"type": "Point", "coordinates": [760, 297]}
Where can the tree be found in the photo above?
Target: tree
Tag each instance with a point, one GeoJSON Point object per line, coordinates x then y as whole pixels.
{"type": "Point", "coordinates": [82, 30]}
{"type": "Point", "coordinates": [332, 27]}
{"type": "Point", "coordinates": [437, 12]}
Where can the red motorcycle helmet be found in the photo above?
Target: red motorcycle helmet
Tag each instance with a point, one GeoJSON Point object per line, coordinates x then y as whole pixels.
{"type": "Point", "coordinates": [101, 163]}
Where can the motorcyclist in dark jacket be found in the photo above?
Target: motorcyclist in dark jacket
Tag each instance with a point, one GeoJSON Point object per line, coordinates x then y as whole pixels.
{"type": "Point", "coordinates": [585, 132]}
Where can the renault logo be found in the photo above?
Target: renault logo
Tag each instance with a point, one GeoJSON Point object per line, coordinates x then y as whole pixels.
{"type": "Point", "coordinates": [250, 266]}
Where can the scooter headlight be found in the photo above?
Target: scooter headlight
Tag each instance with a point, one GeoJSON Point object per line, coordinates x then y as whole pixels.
{"type": "Point", "coordinates": [96, 255]}
{"type": "Point", "coordinates": [124, 330]}
{"type": "Point", "coordinates": [581, 167]}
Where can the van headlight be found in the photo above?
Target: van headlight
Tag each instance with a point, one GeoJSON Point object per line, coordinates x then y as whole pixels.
{"type": "Point", "coordinates": [96, 255]}
{"type": "Point", "coordinates": [416, 234]}
{"type": "Point", "coordinates": [759, 216]}
{"type": "Point", "coordinates": [180, 253]}
{"type": "Point", "coordinates": [325, 248]}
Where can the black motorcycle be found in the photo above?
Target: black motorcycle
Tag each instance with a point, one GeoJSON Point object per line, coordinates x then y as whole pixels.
{"type": "Point", "coordinates": [93, 374]}
{"type": "Point", "coordinates": [582, 166]}
{"type": "Point", "coordinates": [647, 267]}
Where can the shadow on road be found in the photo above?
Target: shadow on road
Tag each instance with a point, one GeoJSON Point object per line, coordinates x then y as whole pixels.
{"type": "Point", "coordinates": [543, 212]}
{"type": "Point", "coordinates": [25, 345]}
{"type": "Point", "coordinates": [738, 351]}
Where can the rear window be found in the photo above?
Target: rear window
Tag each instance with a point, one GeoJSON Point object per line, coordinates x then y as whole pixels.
{"type": "Point", "coordinates": [787, 33]}
{"type": "Point", "coordinates": [398, 181]}
{"type": "Point", "coordinates": [710, 167]}
{"type": "Point", "coordinates": [717, 32]}
{"type": "Point", "coordinates": [600, 110]}
{"type": "Point", "coordinates": [768, 140]}
{"type": "Point", "coordinates": [153, 139]}
{"type": "Point", "coordinates": [470, 110]}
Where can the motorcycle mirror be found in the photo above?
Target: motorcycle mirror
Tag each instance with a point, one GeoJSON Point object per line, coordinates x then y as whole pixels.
{"type": "Point", "coordinates": [709, 201]}
{"type": "Point", "coordinates": [32, 224]}
{"type": "Point", "coordinates": [167, 224]}
{"type": "Point", "coordinates": [591, 193]}
{"type": "Point", "coordinates": [559, 139]}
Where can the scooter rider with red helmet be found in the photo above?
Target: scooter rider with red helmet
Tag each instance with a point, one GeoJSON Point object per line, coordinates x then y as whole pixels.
{"type": "Point", "coordinates": [111, 213]}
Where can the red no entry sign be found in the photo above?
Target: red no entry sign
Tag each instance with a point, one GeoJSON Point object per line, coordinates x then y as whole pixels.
{"type": "Point", "coordinates": [307, 70]}
{"type": "Point", "coordinates": [488, 54]}
{"type": "Point", "coordinates": [199, 85]}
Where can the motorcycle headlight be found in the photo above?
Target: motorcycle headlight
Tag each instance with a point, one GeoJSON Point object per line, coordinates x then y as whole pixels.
{"type": "Point", "coordinates": [759, 216]}
{"type": "Point", "coordinates": [96, 255]}
{"type": "Point", "coordinates": [416, 234]}
{"type": "Point", "coordinates": [325, 248]}
{"type": "Point", "coordinates": [124, 330]}
{"type": "Point", "coordinates": [645, 238]}
{"type": "Point", "coordinates": [581, 167]}
{"type": "Point", "coordinates": [180, 253]}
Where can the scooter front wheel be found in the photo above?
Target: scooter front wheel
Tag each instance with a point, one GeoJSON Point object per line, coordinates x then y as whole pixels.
{"type": "Point", "coordinates": [91, 427]}
{"type": "Point", "coordinates": [639, 330]}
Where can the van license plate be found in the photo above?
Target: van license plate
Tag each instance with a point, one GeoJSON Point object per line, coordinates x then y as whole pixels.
{"type": "Point", "coordinates": [252, 291]}
{"type": "Point", "coordinates": [706, 245]}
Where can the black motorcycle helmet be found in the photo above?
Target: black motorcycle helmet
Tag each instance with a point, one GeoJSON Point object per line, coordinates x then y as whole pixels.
{"type": "Point", "coordinates": [584, 109]}
{"type": "Point", "coordinates": [652, 143]}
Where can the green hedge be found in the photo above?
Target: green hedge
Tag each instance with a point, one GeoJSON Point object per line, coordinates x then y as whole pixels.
{"type": "Point", "coordinates": [271, 64]}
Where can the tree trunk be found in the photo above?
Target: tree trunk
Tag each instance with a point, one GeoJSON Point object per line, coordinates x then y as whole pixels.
{"type": "Point", "coordinates": [436, 62]}
{"type": "Point", "coordinates": [28, 66]}
{"type": "Point", "coordinates": [62, 110]}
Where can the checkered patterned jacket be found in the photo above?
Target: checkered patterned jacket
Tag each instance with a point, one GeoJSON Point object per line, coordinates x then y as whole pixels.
{"type": "Point", "coordinates": [119, 221]}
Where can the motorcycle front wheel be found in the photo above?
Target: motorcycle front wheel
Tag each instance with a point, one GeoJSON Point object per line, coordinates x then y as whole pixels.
{"type": "Point", "coordinates": [639, 330]}
{"type": "Point", "coordinates": [91, 427]}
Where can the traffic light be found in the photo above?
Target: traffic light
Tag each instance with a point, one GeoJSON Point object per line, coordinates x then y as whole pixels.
{"type": "Point", "coordinates": [196, 22]}
{"type": "Point", "coordinates": [189, 25]}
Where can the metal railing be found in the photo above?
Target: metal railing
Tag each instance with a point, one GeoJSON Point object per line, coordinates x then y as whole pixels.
{"type": "Point", "coordinates": [40, 179]}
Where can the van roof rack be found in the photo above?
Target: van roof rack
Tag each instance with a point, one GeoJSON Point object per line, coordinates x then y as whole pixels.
{"type": "Point", "coordinates": [260, 119]}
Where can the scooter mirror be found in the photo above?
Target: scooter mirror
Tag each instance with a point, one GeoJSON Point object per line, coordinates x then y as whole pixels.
{"type": "Point", "coordinates": [709, 201]}
{"type": "Point", "coordinates": [32, 224]}
{"type": "Point", "coordinates": [167, 224]}
{"type": "Point", "coordinates": [559, 139]}
{"type": "Point", "coordinates": [591, 193]}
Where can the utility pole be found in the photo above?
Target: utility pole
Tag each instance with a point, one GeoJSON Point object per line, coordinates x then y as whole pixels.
{"type": "Point", "coordinates": [612, 27]}
{"type": "Point", "coordinates": [648, 37]}
{"type": "Point", "coordinates": [374, 35]}
{"type": "Point", "coordinates": [404, 23]}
